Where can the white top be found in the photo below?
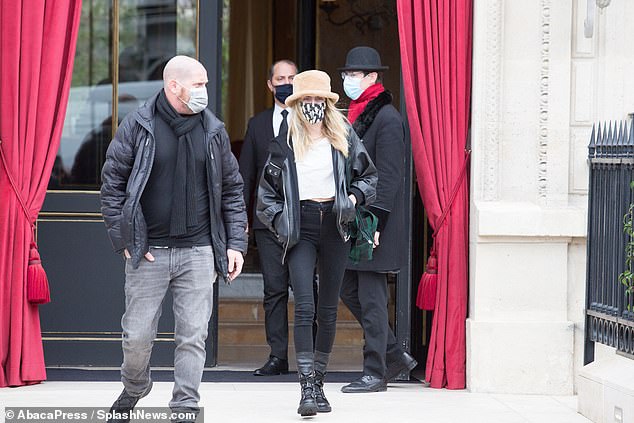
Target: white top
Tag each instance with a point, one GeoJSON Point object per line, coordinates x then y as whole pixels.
{"type": "Point", "coordinates": [277, 118]}
{"type": "Point", "coordinates": [315, 177]}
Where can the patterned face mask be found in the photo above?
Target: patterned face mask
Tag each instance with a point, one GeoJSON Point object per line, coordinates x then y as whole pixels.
{"type": "Point", "coordinates": [313, 112]}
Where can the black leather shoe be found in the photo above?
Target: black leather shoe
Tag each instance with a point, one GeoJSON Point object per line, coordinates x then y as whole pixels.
{"type": "Point", "coordinates": [124, 405]}
{"type": "Point", "coordinates": [395, 367]}
{"type": "Point", "coordinates": [365, 384]}
{"type": "Point", "coordinates": [274, 366]}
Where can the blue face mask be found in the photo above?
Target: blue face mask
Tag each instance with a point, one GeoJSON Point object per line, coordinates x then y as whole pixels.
{"type": "Point", "coordinates": [352, 87]}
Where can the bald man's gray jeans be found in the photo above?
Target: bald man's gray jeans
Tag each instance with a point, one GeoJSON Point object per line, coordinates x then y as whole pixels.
{"type": "Point", "coordinates": [189, 274]}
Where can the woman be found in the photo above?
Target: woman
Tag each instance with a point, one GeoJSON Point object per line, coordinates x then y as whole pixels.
{"type": "Point", "coordinates": [313, 178]}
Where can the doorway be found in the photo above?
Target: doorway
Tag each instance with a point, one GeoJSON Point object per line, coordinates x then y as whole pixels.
{"type": "Point", "coordinates": [313, 34]}
{"type": "Point", "coordinates": [122, 47]}
{"type": "Point", "coordinates": [121, 50]}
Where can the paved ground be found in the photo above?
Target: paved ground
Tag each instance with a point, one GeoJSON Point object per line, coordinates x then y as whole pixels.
{"type": "Point", "coordinates": [277, 402]}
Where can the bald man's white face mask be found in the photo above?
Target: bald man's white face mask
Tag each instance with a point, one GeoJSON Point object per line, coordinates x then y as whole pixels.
{"type": "Point", "coordinates": [197, 98]}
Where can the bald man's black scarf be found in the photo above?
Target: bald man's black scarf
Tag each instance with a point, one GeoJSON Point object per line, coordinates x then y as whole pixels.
{"type": "Point", "coordinates": [184, 189]}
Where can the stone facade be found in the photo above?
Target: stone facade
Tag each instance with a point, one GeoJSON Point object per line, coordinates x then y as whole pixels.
{"type": "Point", "coordinates": [538, 86]}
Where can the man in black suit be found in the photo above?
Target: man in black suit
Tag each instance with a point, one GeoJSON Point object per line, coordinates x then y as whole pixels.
{"type": "Point", "coordinates": [364, 289]}
{"type": "Point", "coordinates": [262, 128]}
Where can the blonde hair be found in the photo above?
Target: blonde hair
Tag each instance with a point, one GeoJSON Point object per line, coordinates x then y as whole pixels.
{"type": "Point", "coordinates": [334, 128]}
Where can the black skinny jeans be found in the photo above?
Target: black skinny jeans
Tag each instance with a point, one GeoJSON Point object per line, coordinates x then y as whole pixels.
{"type": "Point", "coordinates": [320, 243]}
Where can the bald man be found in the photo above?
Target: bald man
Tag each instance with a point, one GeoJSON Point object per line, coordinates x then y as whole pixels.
{"type": "Point", "coordinates": [173, 207]}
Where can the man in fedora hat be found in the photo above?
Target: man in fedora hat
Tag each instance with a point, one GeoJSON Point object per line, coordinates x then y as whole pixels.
{"type": "Point", "coordinates": [364, 288]}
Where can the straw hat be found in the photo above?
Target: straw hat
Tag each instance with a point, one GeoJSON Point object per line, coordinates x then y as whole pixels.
{"type": "Point", "coordinates": [314, 83]}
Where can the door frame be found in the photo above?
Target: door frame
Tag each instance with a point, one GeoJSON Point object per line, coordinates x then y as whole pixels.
{"type": "Point", "coordinates": [65, 211]}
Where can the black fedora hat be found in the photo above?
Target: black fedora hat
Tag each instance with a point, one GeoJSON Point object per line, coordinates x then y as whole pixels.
{"type": "Point", "coordinates": [363, 59]}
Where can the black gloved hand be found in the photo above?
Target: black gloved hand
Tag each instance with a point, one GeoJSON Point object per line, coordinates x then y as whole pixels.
{"type": "Point", "coordinates": [348, 212]}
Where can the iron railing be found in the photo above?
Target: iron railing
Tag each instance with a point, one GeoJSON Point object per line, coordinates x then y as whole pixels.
{"type": "Point", "coordinates": [609, 312]}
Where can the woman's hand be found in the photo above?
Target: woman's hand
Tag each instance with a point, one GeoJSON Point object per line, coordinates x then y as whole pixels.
{"type": "Point", "coordinates": [348, 214]}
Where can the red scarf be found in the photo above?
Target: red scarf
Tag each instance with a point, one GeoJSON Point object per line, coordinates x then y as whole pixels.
{"type": "Point", "coordinates": [357, 106]}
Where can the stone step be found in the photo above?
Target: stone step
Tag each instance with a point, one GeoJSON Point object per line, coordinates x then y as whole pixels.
{"type": "Point", "coordinates": [252, 333]}
{"type": "Point", "coordinates": [342, 358]}
{"type": "Point", "coordinates": [242, 338]}
{"type": "Point", "coordinates": [251, 310]}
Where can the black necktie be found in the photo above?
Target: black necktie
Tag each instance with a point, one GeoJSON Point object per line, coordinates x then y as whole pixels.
{"type": "Point", "coordinates": [284, 124]}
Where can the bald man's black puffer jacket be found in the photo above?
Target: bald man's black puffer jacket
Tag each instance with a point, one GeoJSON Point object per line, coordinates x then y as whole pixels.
{"type": "Point", "coordinates": [127, 168]}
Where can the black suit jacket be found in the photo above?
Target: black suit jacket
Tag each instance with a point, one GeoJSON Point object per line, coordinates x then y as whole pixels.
{"type": "Point", "coordinates": [255, 150]}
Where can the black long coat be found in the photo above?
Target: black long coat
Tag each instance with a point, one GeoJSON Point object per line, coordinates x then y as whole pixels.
{"type": "Point", "coordinates": [380, 126]}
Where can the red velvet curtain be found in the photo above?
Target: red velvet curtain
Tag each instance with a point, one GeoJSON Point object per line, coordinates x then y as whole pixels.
{"type": "Point", "coordinates": [436, 44]}
{"type": "Point", "coordinates": [37, 49]}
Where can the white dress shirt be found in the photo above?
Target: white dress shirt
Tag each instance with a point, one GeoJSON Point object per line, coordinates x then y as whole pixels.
{"type": "Point", "coordinates": [277, 118]}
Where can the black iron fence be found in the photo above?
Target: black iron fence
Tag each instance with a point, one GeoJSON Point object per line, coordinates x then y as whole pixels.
{"type": "Point", "coordinates": [609, 307]}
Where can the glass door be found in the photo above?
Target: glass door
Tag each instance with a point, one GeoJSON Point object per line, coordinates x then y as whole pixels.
{"type": "Point", "coordinates": [122, 48]}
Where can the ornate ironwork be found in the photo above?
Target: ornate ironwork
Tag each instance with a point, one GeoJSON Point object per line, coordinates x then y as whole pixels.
{"type": "Point", "coordinates": [609, 311]}
{"type": "Point", "coordinates": [371, 16]}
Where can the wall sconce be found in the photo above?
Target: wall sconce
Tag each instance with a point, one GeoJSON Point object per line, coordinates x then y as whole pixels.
{"type": "Point", "coordinates": [374, 20]}
{"type": "Point", "coordinates": [588, 23]}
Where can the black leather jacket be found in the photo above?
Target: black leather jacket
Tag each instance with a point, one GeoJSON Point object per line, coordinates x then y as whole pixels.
{"type": "Point", "coordinates": [278, 205]}
{"type": "Point", "coordinates": [127, 168]}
